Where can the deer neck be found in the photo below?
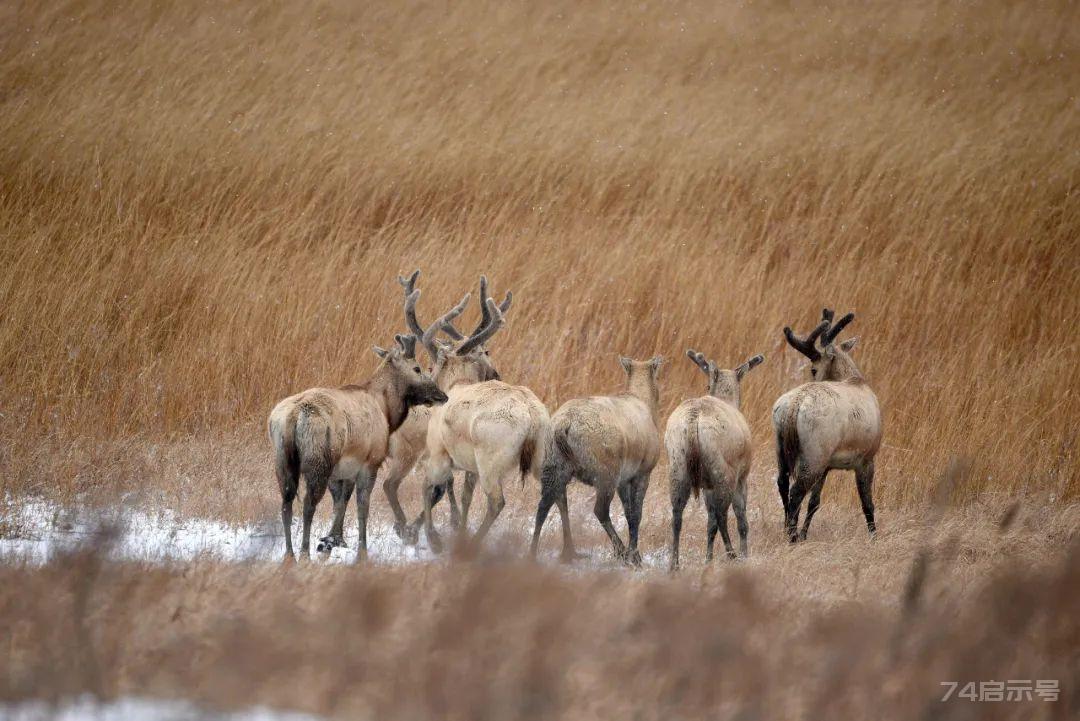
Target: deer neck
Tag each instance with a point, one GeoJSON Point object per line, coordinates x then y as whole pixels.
{"type": "Point", "coordinates": [843, 368]}
{"type": "Point", "coordinates": [642, 386]}
{"type": "Point", "coordinates": [455, 374]}
{"type": "Point", "coordinates": [389, 393]}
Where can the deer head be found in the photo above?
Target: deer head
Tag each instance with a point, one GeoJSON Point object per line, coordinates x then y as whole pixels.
{"type": "Point", "coordinates": [831, 362]}
{"type": "Point", "coordinates": [405, 377]}
{"type": "Point", "coordinates": [724, 384]}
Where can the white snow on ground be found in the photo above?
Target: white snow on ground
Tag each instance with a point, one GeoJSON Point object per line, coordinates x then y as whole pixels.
{"type": "Point", "coordinates": [87, 708]}
{"type": "Point", "coordinates": [35, 530]}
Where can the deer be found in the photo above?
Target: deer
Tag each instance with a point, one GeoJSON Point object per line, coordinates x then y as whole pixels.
{"type": "Point", "coordinates": [342, 435]}
{"type": "Point", "coordinates": [487, 428]}
{"type": "Point", "coordinates": [408, 445]}
{"type": "Point", "coordinates": [831, 423]}
{"type": "Point", "coordinates": [610, 443]}
{"type": "Point", "coordinates": [709, 450]}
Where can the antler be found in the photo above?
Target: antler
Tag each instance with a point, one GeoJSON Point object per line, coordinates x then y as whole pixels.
{"type": "Point", "coordinates": [495, 321]}
{"type": "Point", "coordinates": [485, 316]}
{"type": "Point", "coordinates": [806, 345]}
{"type": "Point", "coordinates": [699, 360]}
{"type": "Point", "coordinates": [830, 334]}
{"type": "Point", "coordinates": [408, 345]}
{"type": "Point", "coordinates": [427, 337]}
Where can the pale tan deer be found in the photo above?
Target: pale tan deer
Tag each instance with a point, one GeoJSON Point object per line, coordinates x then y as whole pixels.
{"type": "Point", "coordinates": [833, 422]}
{"type": "Point", "coordinates": [611, 443]}
{"type": "Point", "coordinates": [709, 450]}
{"type": "Point", "coordinates": [488, 428]}
{"type": "Point", "coordinates": [409, 443]}
{"type": "Point", "coordinates": [333, 434]}
{"type": "Point", "coordinates": [402, 448]}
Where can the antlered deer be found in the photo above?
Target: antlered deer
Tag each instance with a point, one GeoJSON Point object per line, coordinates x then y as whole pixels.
{"type": "Point", "coordinates": [709, 450]}
{"type": "Point", "coordinates": [402, 449]}
{"type": "Point", "coordinates": [488, 428]}
{"type": "Point", "coordinates": [334, 434]}
{"type": "Point", "coordinates": [833, 422]}
{"type": "Point", "coordinates": [610, 443]}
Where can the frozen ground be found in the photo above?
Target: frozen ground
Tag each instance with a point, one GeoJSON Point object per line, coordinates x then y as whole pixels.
{"type": "Point", "coordinates": [34, 531]}
{"type": "Point", "coordinates": [87, 708]}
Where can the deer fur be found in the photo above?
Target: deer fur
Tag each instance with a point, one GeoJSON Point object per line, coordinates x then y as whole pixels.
{"type": "Point", "coordinates": [612, 444]}
{"type": "Point", "coordinates": [494, 431]}
{"type": "Point", "coordinates": [337, 434]}
{"type": "Point", "coordinates": [709, 450]}
{"type": "Point", "coordinates": [832, 422]}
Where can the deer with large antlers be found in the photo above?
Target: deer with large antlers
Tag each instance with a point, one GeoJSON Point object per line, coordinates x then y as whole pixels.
{"type": "Point", "coordinates": [408, 445]}
{"type": "Point", "coordinates": [709, 451]}
{"type": "Point", "coordinates": [489, 429]}
{"type": "Point", "coordinates": [341, 436]}
{"type": "Point", "coordinates": [611, 443]}
{"type": "Point", "coordinates": [832, 422]}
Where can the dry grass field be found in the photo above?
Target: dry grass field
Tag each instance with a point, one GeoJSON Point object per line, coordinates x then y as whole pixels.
{"type": "Point", "coordinates": [204, 208]}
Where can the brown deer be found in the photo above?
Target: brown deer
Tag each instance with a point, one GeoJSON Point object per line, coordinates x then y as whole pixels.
{"type": "Point", "coordinates": [709, 449]}
{"type": "Point", "coordinates": [832, 422]}
{"type": "Point", "coordinates": [402, 448]}
{"type": "Point", "coordinates": [610, 443]}
{"type": "Point", "coordinates": [487, 428]}
{"type": "Point", "coordinates": [333, 434]}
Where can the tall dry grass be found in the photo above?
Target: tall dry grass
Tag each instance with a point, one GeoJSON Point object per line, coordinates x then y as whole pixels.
{"type": "Point", "coordinates": [202, 209]}
{"type": "Point", "coordinates": [507, 641]}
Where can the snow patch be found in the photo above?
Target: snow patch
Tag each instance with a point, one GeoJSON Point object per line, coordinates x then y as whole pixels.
{"type": "Point", "coordinates": [88, 708]}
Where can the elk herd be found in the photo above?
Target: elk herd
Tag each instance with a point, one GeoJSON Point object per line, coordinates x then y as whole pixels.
{"type": "Point", "coordinates": [459, 415]}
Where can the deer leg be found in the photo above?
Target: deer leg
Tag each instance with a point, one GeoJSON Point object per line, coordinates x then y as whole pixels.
{"type": "Point", "coordinates": [812, 505]}
{"type": "Point", "coordinates": [288, 495]}
{"type": "Point", "coordinates": [628, 493]}
{"type": "Point", "coordinates": [364, 482]}
{"type": "Point", "coordinates": [738, 505]}
{"type": "Point", "coordinates": [721, 513]}
{"type": "Point", "coordinates": [783, 475]}
{"type": "Point", "coordinates": [710, 515]}
{"type": "Point", "coordinates": [864, 478]}
{"type": "Point", "coordinates": [547, 498]}
{"type": "Point", "coordinates": [395, 474]}
{"type": "Point", "coordinates": [496, 501]}
{"type": "Point", "coordinates": [341, 491]}
{"type": "Point", "coordinates": [315, 490]}
{"type": "Point", "coordinates": [804, 481]}
{"type": "Point", "coordinates": [455, 512]}
{"type": "Point", "coordinates": [434, 494]}
{"type": "Point", "coordinates": [467, 487]}
{"type": "Point", "coordinates": [438, 471]}
{"type": "Point", "coordinates": [602, 509]}
{"type": "Point", "coordinates": [569, 553]}
{"type": "Point", "coordinates": [680, 494]}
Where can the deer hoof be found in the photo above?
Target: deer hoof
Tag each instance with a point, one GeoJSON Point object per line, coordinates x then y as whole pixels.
{"type": "Point", "coordinates": [633, 557]}
{"type": "Point", "coordinates": [435, 543]}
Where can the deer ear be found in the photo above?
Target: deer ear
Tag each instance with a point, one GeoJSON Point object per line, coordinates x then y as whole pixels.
{"type": "Point", "coordinates": [848, 345]}
{"type": "Point", "coordinates": [654, 364]}
{"type": "Point", "coordinates": [625, 362]}
{"type": "Point", "coordinates": [381, 352]}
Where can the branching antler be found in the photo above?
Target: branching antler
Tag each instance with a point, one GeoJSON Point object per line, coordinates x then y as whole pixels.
{"type": "Point", "coordinates": [806, 345]}
{"type": "Point", "coordinates": [495, 322]}
{"type": "Point", "coordinates": [427, 337]}
{"type": "Point", "coordinates": [830, 334]}
{"type": "Point", "coordinates": [485, 315]}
